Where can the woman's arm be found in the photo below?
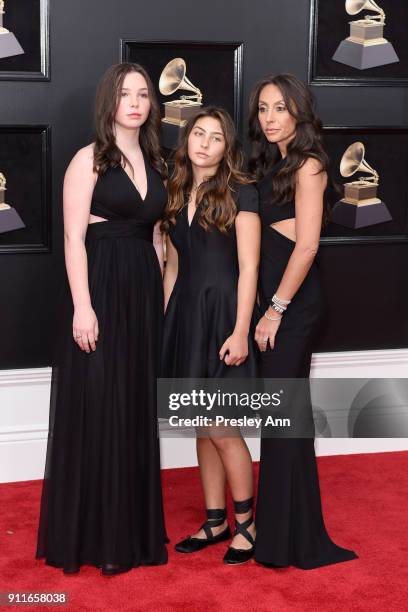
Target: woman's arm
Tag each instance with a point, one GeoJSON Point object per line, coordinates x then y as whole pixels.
{"type": "Point", "coordinates": [79, 183]}
{"type": "Point", "coordinates": [310, 186]}
{"type": "Point", "coordinates": [158, 245]}
{"type": "Point", "coordinates": [248, 230]}
{"type": "Point", "coordinates": [171, 271]}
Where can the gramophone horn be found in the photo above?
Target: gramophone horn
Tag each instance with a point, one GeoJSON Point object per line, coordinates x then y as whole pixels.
{"type": "Point", "coordinates": [174, 77]}
{"type": "Point", "coordinates": [355, 6]}
{"type": "Point", "coordinates": [352, 158]}
{"type": "Point", "coordinates": [353, 161]}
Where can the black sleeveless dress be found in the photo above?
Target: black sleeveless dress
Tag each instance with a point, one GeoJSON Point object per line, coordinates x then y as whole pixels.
{"type": "Point", "coordinates": [202, 309]}
{"type": "Point", "coordinates": [289, 520]}
{"type": "Point", "coordinates": [102, 501]}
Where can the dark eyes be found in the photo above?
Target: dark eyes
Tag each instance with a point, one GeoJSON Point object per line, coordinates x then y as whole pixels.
{"type": "Point", "coordinates": [263, 109]}
{"type": "Point", "coordinates": [141, 95]}
{"type": "Point", "coordinates": [214, 138]}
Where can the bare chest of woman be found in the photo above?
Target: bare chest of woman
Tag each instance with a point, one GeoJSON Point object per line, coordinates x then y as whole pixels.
{"type": "Point", "coordinates": [138, 178]}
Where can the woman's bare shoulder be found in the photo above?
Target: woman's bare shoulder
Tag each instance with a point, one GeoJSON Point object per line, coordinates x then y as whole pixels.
{"type": "Point", "coordinates": [84, 156]}
{"type": "Point", "coordinates": [83, 161]}
{"type": "Point", "coordinates": [311, 170]}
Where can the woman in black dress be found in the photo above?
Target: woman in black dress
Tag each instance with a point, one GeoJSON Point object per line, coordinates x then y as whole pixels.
{"type": "Point", "coordinates": [102, 499]}
{"type": "Point", "coordinates": [210, 287]}
{"type": "Point", "coordinates": [291, 168]}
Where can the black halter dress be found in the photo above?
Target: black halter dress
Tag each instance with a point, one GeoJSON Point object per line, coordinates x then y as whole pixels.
{"type": "Point", "coordinates": [102, 500]}
{"type": "Point", "coordinates": [289, 519]}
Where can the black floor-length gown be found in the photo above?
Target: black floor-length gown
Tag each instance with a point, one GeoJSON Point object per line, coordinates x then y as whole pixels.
{"type": "Point", "coordinates": [102, 500]}
{"type": "Point", "coordinates": [289, 519]}
{"type": "Point", "coordinates": [202, 309]}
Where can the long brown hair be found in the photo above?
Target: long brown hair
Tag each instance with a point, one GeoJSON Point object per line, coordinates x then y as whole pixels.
{"type": "Point", "coordinates": [216, 193]}
{"type": "Point", "coordinates": [300, 103]}
{"type": "Point", "coordinates": [106, 152]}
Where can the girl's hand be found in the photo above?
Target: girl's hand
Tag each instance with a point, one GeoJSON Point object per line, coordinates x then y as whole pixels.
{"type": "Point", "coordinates": [237, 348]}
{"type": "Point", "coordinates": [85, 328]}
{"type": "Point", "coordinates": [266, 331]}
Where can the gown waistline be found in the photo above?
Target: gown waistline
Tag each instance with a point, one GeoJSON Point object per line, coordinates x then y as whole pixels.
{"type": "Point", "coordinates": [119, 229]}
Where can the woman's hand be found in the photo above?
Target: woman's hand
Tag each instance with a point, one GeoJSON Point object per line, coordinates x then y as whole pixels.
{"type": "Point", "coordinates": [85, 328]}
{"type": "Point", "coordinates": [237, 348]}
{"type": "Point", "coordinates": [266, 330]}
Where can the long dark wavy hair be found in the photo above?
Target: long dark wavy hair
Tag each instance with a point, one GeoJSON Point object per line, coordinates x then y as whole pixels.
{"type": "Point", "coordinates": [106, 152]}
{"type": "Point", "coordinates": [216, 194]}
{"type": "Point", "coordinates": [307, 142]}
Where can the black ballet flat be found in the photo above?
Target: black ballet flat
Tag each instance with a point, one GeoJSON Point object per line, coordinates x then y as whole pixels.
{"type": "Point", "coordinates": [215, 518]}
{"type": "Point", "coordinates": [235, 556]}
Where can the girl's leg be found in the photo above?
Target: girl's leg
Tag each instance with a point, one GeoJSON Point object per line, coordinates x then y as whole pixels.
{"type": "Point", "coordinates": [237, 462]}
{"type": "Point", "coordinates": [213, 480]}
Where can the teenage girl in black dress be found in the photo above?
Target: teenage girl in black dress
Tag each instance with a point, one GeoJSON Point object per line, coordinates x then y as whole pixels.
{"type": "Point", "coordinates": [210, 286]}
{"type": "Point", "coordinates": [102, 500]}
{"type": "Point", "coordinates": [291, 168]}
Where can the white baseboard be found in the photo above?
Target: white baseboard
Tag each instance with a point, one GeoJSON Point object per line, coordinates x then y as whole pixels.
{"type": "Point", "coordinates": [361, 364]}
{"type": "Point", "coordinates": [24, 404]}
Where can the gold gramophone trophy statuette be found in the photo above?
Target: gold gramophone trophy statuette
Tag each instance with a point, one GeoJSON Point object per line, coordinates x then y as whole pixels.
{"type": "Point", "coordinates": [2, 29]}
{"type": "Point", "coordinates": [9, 44]}
{"type": "Point", "coordinates": [3, 205]}
{"type": "Point", "coordinates": [177, 112]}
{"type": "Point", "coordinates": [360, 206]}
{"type": "Point", "coordinates": [366, 46]}
{"type": "Point", "coordinates": [9, 218]}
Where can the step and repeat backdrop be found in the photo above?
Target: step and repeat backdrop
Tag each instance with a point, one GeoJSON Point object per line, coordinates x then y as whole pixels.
{"type": "Point", "coordinates": [354, 54]}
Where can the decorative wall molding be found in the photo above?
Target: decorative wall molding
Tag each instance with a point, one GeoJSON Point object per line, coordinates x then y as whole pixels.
{"type": "Point", "coordinates": [25, 377]}
{"type": "Point", "coordinates": [32, 433]}
{"type": "Point", "coordinates": [381, 359]}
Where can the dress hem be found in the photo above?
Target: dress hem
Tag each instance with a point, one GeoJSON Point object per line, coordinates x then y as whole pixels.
{"type": "Point", "coordinates": [310, 566]}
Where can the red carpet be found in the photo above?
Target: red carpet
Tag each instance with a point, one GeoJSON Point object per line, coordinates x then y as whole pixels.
{"type": "Point", "coordinates": [365, 504]}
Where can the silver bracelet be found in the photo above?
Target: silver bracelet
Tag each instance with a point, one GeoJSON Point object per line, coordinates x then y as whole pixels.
{"type": "Point", "coordinates": [271, 318]}
{"type": "Point", "coordinates": [278, 308]}
{"type": "Point", "coordinates": [280, 301]}
{"type": "Point", "coordinates": [277, 305]}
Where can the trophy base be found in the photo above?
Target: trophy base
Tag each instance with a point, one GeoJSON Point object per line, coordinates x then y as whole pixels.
{"type": "Point", "coordinates": [362, 56]}
{"type": "Point", "coordinates": [171, 134]}
{"type": "Point", "coordinates": [10, 220]}
{"type": "Point", "coordinates": [355, 192]}
{"type": "Point", "coordinates": [350, 215]}
{"type": "Point", "coordinates": [366, 32]}
{"type": "Point", "coordinates": [9, 45]}
{"type": "Point", "coordinates": [178, 112]}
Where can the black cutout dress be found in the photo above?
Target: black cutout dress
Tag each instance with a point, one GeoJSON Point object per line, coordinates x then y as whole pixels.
{"type": "Point", "coordinates": [289, 519]}
{"type": "Point", "coordinates": [102, 500]}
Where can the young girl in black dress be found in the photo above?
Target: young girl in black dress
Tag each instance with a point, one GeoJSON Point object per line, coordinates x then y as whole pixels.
{"type": "Point", "coordinates": [102, 500]}
{"type": "Point", "coordinates": [291, 168]}
{"type": "Point", "coordinates": [210, 286]}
